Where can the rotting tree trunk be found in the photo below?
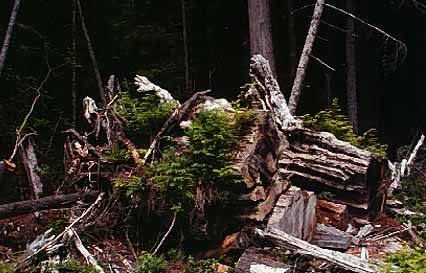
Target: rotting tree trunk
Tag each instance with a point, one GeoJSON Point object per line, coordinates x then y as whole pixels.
{"type": "Point", "coordinates": [302, 68]}
{"type": "Point", "coordinates": [8, 34]}
{"type": "Point", "coordinates": [317, 160]}
{"type": "Point", "coordinates": [29, 160]}
{"type": "Point", "coordinates": [45, 203]}
{"type": "Point", "coordinates": [351, 78]}
{"type": "Point", "coordinates": [260, 30]}
{"type": "Point", "coordinates": [92, 55]}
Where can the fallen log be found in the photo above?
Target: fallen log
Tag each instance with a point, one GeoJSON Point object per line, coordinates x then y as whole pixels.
{"type": "Point", "coordinates": [330, 237]}
{"type": "Point", "coordinates": [45, 203]}
{"type": "Point", "coordinates": [346, 261]}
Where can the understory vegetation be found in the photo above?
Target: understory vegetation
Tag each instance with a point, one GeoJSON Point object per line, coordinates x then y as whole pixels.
{"type": "Point", "coordinates": [333, 120]}
{"type": "Point", "coordinates": [406, 261]}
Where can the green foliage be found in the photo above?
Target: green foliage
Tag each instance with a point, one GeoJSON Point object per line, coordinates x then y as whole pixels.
{"type": "Point", "coordinates": [116, 155]}
{"type": "Point", "coordinates": [406, 261]}
{"type": "Point", "coordinates": [411, 193]}
{"type": "Point", "coordinates": [201, 266]}
{"type": "Point", "coordinates": [72, 266]}
{"type": "Point", "coordinates": [6, 267]}
{"type": "Point", "coordinates": [333, 120]}
{"type": "Point", "coordinates": [144, 114]}
{"type": "Point", "coordinates": [207, 160]}
{"type": "Point", "coordinates": [149, 263]}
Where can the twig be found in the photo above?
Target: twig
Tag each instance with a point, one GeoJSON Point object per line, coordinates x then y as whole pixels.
{"type": "Point", "coordinates": [323, 63]}
{"type": "Point", "coordinates": [367, 24]}
{"type": "Point", "coordinates": [391, 234]}
{"type": "Point", "coordinates": [165, 235]}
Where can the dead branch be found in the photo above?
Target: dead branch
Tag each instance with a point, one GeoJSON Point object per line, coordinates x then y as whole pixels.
{"type": "Point", "coordinates": [287, 241]}
{"type": "Point", "coordinates": [165, 235]}
{"type": "Point", "coordinates": [296, 91]}
{"type": "Point", "coordinates": [83, 250]}
{"type": "Point", "coordinates": [60, 235]}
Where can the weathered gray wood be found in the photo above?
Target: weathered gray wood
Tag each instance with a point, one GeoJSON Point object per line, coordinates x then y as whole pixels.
{"type": "Point", "coordinates": [330, 237]}
{"type": "Point", "coordinates": [346, 261]}
{"type": "Point", "coordinates": [256, 260]}
{"type": "Point", "coordinates": [294, 213]}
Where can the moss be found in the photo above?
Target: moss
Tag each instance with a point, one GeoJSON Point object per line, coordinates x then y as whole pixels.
{"type": "Point", "coordinates": [406, 261]}
{"type": "Point", "coordinates": [334, 121]}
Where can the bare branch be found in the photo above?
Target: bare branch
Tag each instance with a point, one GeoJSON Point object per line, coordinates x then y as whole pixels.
{"type": "Point", "coordinates": [8, 34]}
{"type": "Point", "coordinates": [165, 235]}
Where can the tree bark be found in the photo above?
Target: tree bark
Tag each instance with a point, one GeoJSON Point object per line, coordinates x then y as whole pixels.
{"type": "Point", "coordinates": [8, 34]}
{"type": "Point", "coordinates": [29, 160]}
{"type": "Point", "coordinates": [296, 91]}
{"type": "Point", "coordinates": [45, 203]}
{"type": "Point", "coordinates": [74, 65]}
{"type": "Point", "coordinates": [261, 31]}
{"type": "Point", "coordinates": [92, 56]}
{"type": "Point", "coordinates": [351, 78]}
{"type": "Point", "coordinates": [185, 48]}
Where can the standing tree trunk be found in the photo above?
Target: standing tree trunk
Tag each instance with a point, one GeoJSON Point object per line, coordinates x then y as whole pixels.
{"type": "Point", "coordinates": [74, 65]}
{"type": "Point", "coordinates": [92, 55]}
{"type": "Point", "coordinates": [261, 31]}
{"type": "Point", "coordinates": [185, 49]}
{"type": "Point", "coordinates": [351, 79]}
{"type": "Point", "coordinates": [8, 34]}
{"type": "Point", "coordinates": [296, 91]}
{"type": "Point", "coordinates": [292, 40]}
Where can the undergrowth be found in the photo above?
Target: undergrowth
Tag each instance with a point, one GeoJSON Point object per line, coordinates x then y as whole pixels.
{"type": "Point", "coordinates": [144, 114]}
{"type": "Point", "coordinates": [406, 261]}
{"type": "Point", "coordinates": [207, 160]}
{"type": "Point", "coordinates": [333, 120]}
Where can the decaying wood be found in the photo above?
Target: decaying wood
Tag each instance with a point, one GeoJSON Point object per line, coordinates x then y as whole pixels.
{"type": "Point", "coordinates": [29, 160]}
{"type": "Point", "coordinates": [330, 237]}
{"type": "Point", "coordinates": [336, 215]}
{"type": "Point", "coordinates": [302, 68]}
{"type": "Point", "coordinates": [294, 213]}
{"type": "Point", "coordinates": [319, 161]}
{"type": "Point", "coordinates": [269, 90]}
{"type": "Point", "coordinates": [256, 260]}
{"type": "Point", "coordinates": [346, 261]}
{"type": "Point", "coordinates": [45, 203]}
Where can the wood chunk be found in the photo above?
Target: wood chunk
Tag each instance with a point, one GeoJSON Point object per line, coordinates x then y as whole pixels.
{"type": "Point", "coordinates": [346, 261]}
{"type": "Point", "coordinates": [256, 260]}
{"type": "Point", "coordinates": [295, 214]}
{"type": "Point", "coordinates": [330, 237]}
{"type": "Point", "coordinates": [333, 214]}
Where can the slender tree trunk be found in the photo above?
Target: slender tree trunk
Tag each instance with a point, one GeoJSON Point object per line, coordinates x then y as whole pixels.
{"type": "Point", "coordinates": [292, 40]}
{"type": "Point", "coordinates": [351, 77]}
{"type": "Point", "coordinates": [92, 55]}
{"type": "Point", "coordinates": [8, 34]}
{"type": "Point", "coordinates": [296, 91]}
{"type": "Point", "coordinates": [261, 31]}
{"type": "Point", "coordinates": [185, 49]}
{"type": "Point", "coordinates": [74, 65]}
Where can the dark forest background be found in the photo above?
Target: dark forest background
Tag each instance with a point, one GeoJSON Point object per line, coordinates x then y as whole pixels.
{"type": "Point", "coordinates": [145, 37]}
